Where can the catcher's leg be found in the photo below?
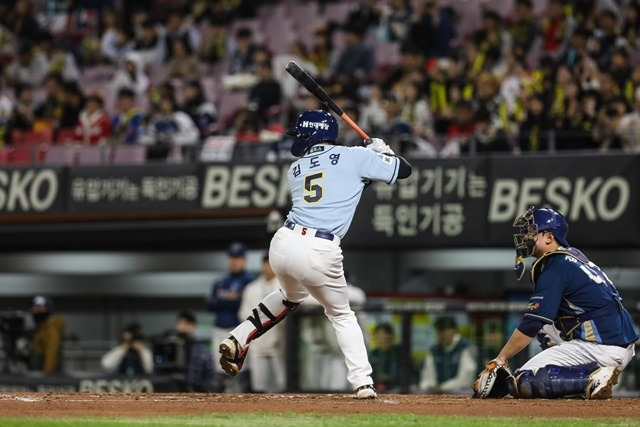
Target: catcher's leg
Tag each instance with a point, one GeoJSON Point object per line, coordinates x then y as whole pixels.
{"type": "Point", "coordinates": [550, 382]}
{"type": "Point", "coordinates": [269, 313]}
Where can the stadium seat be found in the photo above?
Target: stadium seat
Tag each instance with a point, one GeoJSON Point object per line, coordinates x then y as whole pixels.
{"type": "Point", "coordinates": [129, 154]}
{"type": "Point", "coordinates": [229, 103]}
{"type": "Point", "coordinates": [337, 12]}
{"type": "Point", "coordinates": [37, 137]}
{"type": "Point", "coordinates": [5, 155]}
{"type": "Point", "coordinates": [65, 136]}
{"type": "Point", "coordinates": [21, 155]}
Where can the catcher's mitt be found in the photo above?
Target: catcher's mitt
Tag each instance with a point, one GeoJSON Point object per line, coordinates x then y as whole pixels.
{"type": "Point", "coordinates": [492, 382]}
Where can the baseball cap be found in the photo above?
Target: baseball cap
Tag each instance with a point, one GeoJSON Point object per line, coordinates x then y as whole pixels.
{"type": "Point", "coordinates": [237, 249]}
{"type": "Point", "coordinates": [444, 323]}
{"type": "Point", "coordinates": [42, 301]}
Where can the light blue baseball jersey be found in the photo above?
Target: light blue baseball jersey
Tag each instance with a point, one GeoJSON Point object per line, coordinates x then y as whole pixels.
{"type": "Point", "coordinates": [326, 184]}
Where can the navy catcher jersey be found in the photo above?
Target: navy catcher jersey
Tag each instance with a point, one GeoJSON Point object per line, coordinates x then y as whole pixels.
{"type": "Point", "coordinates": [326, 184]}
{"type": "Point", "coordinates": [569, 285]}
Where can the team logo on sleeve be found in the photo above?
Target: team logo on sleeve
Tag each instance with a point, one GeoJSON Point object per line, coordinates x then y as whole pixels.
{"type": "Point", "coordinates": [385, 158]}
{"type": "Point", "coordinates": [533, 306]}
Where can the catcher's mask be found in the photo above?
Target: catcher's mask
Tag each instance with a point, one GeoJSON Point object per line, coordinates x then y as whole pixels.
{"type": "Point", "coordinates": [529, 225]}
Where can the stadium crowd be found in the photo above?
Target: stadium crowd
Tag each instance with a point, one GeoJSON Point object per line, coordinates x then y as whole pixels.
{"type": "Point", "coordinates": [431, 77]}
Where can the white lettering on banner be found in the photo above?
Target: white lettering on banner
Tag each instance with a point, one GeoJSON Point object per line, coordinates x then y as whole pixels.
{"type": "Point", "coordinates": [116, 385]}
{"type": "Point", "coordinates": [123, 189]}
{"type": "Point", "coordinates": [598, 198]}
{"type": "Point", "coordinates": [245, 186]}
{"type": "Point", "coordinates": [443, 218]}
{"type": "Point", "coordinates": [410, 219]}
{"type": "Point", "coordinates": [30, 190]}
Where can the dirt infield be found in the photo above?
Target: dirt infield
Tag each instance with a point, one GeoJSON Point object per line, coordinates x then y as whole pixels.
{"type": "Point", "coordinates": [134, 405]}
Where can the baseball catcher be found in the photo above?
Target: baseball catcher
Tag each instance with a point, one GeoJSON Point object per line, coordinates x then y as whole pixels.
{"type": "Point", "coordinates": [576, 313]}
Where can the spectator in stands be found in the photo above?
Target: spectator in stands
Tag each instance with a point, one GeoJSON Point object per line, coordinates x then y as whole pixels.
{"type": "Point", "coordinates": [130, 75]}
{"type": "Point", "coordinates": [109, 35]}
{"type": "Point", "coordinates": [397, 129]}
{"type": "Point", "coordinates": [396, 21]}
{"type": "Point", "coordinates": [177, 27]}
{"type": "Point", "coordinates": [214, 45]}
{"type": "Point", "coordinates": [60, 60]}
{"type": "Point", "coordinates": [200, 367]}
{"type": "Point", "coordinates": [50, 111]}
{"type": "Point", "coordinates": [631, 27]}
{"type": "Point", "coordinates": [45, 354]}
{"type": "Point", "coordinates": [170, 132]}
{"type": "Point", "coordinates": [126, 126]}
{"type": "Point", "coordinates": [488, 96]}
{"type": "Point", "coordinates": [355, 64]}
{"type": "Point", "coordinates": [415, 110]}
{"type": "Point", "coordinates": [266, 96]}
{"type": "Point", "coordinates": [433, 29]}
{"type": "Point", "coordinates": [28, 67]}
{"type": "Point", "coordinates": [492, 41]}
{"type": "Point", "coordinates": [366, 16]}
{"type": "Point", "coordinates": [22, 115]}
{"type": "Point", "coordinates": [150, 43]}
{"type": "Point", "coordinates": [450, 365]}
{"type": "Point", "coordinates": [116, 44]}
{"type": "Point", "coordinates": [246, 125]}
{"type": "Point", "coordinates": [534, 131]}
{"type": "Point", "coordinates": [630, 126]}
{"type": "Point", "coordinates": [621, 72]}
{"type": "Point", "coordinates": [321, 53]}
{"type": "Point", "coordinates": [411, 64]}
{"type": "Point", "coordinates": [183, 65]}
{"type": "Point", "coordinates": [385, 359]}
{"type": "Point", "coordinates": [241, 58]}
{"type": "Point", "coordinates": [268, 372]}
{"type": "Point", "coordinates": [226, 296]}
{"type": "Point", "coordinates": [202, 111]}
{"type": "Point", "coordinates": [6, 108]}
{"type": "Point", "coordinates": [524, 30]}
{"type": "Point", "coordinates": [460, 130]}
{"type": "Point", "coordinates": [576, 52]}
{"type": "Point", "coordinates": [373, 116]}
{"type": "Point", "coordinates": [606, 35]}
{"type": "Point", "coordinates": [73, 104]}
{"type": "Point", "coordinates": [94, 125]}
{"type": "Point", "coordinates": [22, 21]}
{"type": "Point", "coordinates": [486, 138]}
{"type": "Point", "coordinates": [130, 357]}
{"type": "Point", "coordinates": [556, 28]}
{"type": "Point", "coordinates": [608, 130]}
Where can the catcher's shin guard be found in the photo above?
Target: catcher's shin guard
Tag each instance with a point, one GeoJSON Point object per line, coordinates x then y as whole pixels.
{"type": "Point", "coordinates": [551, 381]}
{"type": "Point", "coordinates": [263, 318]}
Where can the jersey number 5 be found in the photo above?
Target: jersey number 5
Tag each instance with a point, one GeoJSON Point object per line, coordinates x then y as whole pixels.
{"type": "Point", "coordinates": [313, 191]}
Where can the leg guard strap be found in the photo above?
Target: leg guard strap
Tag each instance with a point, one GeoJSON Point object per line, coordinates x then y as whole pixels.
{"type": "Point", "coordinates": [261, 327]}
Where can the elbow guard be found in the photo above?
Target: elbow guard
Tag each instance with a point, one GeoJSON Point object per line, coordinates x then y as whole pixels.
{"type": "Point", "coordinates": [404, 170]}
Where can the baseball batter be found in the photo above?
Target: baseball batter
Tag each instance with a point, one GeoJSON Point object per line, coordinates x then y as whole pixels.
{"type": "Point", "coordinates": [575, 311]}
{"type": "Point", "coordinates": [326, 184]}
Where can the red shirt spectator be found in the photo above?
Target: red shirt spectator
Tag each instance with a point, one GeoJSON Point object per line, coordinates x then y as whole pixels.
{"type": "Point", "coordinates": [94, 125]}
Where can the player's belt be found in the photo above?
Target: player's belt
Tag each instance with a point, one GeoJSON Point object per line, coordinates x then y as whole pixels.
{"type": "Point", "coordinates": [320, 234]}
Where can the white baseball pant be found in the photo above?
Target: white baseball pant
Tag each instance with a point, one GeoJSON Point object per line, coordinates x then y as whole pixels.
{"type": "Point", "coordinates": [305, 264]}
{"type": "Point", "coordinates": [578, 352]}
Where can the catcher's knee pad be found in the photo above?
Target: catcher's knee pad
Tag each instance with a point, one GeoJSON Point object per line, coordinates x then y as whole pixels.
{"type": "Point", "coordinates": [551, 381]}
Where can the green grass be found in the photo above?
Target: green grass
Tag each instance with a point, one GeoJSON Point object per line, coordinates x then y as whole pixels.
{"type": "Point", "coordinates": [302, 420]}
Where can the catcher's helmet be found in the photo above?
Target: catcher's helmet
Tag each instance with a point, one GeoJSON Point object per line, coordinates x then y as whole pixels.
{"type": "Point", "coordinates": [535, 220]}
{"type": "Point", "coordinates": [313, 127]}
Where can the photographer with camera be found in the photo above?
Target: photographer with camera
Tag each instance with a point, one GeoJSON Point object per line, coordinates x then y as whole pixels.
{"type": "Point", "coordinates": [131, 357]}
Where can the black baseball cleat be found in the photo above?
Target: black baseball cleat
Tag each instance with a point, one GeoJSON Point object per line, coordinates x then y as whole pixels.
{"type": "Point", "coordinates": [230, 356]}
{"type": "Point", "coordinates": [366, 392]}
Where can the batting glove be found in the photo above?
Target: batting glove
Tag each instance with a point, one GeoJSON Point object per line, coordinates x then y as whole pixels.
{"type": "Point", "coordinates": [377, 145]}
